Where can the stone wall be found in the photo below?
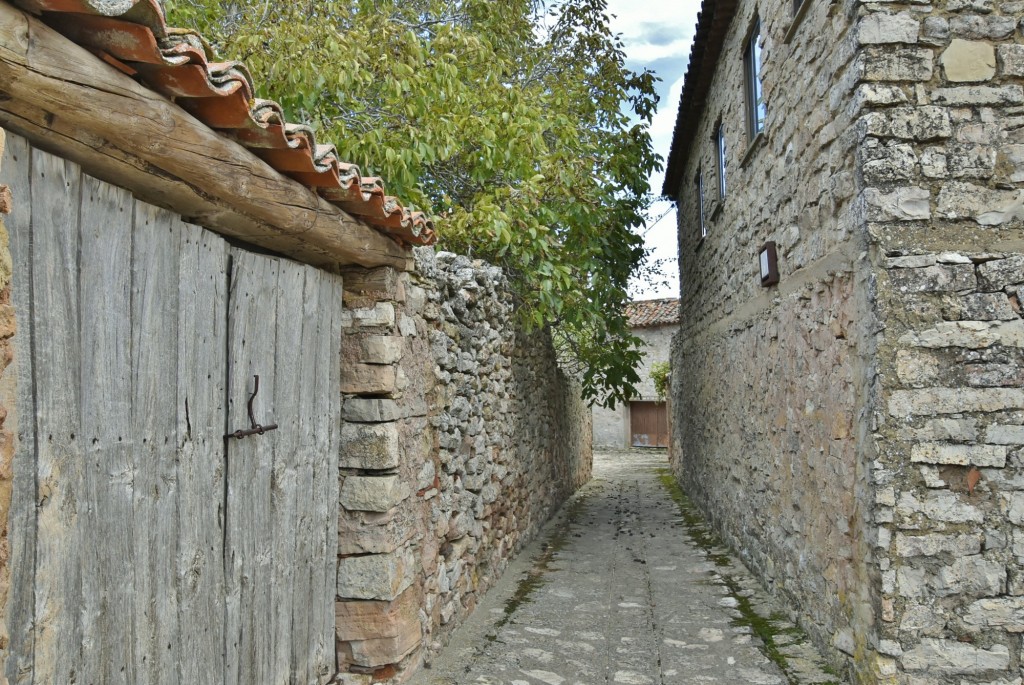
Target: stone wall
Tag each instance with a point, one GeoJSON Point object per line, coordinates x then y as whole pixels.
{"type": "Point", "coordinates": [7, 402]}
{"type": "Point", "coordinates": [943, 166]}
{"type": "Point", "coordinates": [769, 439]}
{"type": "Point", "coordinates": [463, 437]}
{"type": "Point", "coordinates": [857, 432]}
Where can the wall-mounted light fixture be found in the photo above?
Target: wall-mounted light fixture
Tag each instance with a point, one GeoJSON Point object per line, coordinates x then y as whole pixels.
{"type": "Point", "coordinates": [769, 260]}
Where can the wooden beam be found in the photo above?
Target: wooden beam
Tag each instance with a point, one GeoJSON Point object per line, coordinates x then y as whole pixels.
{"type": "Point", "coordinates": [69, 102]}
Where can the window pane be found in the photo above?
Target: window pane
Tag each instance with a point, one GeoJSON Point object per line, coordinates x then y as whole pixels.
{"type": "Point", "coordinates": [756, 109]}
{"type": "Point", "coordinates": [759, 107]}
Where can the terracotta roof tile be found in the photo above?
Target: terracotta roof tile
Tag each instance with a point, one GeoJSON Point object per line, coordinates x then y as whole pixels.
{"type": "Point", "coordinates": [647, 313]}
{"type": "Point", "coordinates": [133, 36]}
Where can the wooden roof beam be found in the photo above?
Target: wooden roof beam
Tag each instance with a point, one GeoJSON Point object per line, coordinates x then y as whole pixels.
{"type": "Point", "coordinates": [68, 101]}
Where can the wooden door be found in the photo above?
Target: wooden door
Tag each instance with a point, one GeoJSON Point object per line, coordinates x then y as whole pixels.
{"type": "Point", "coordinates": [648, 424]}
{"type": "Point", "coordinates": [145, 547]}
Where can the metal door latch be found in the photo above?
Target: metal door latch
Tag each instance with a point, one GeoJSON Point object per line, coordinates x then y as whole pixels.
{"type": "Point", "coordinates": [256, 429]}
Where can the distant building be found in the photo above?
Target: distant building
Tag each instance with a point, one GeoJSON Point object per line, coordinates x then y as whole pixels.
{"type": "Point", "coordinates": [642, 422]}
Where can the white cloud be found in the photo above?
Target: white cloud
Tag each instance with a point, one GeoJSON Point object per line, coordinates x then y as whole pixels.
{"type": "Point", "coordinates": [659, 30]}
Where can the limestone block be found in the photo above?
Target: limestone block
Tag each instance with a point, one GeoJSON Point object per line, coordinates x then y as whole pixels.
{"type": "Point", "coordinates": [986, 307]}
{"type": "Point", "coordinates": [918, 618]}
{"type": "Point", "coordinates": [375, 576]}
{"type": "Point", "coordinates": [968, 334]}
{"type": "Point", "coordinates": [363, 410]}
{"type": "Point", "coordinates": [380, 349]}
{"type": "Point", "coordinates": [982, 27]}
{"type": "Point", "coordinates": [935, 31]}
{"type": "Point", "coordinates": [901, 204]}
{"type": "Point", "coordinates": [959, 200]}
{"type": "Point", "coordinates": [1003, 612]}
{"type": "Point", "coordinates": [368, 379]}
{"type": "Point", "coordinates": [1011, 157]}
{"type": "Point", "coordinates": [372, 446]}
{"type": "Point", "coordinates": [985, 6]}
{"type": "Point", "coordinates": [951, 656]}
{"type": "Point", "coordinates": [956, 430]}
{"type": "Point", "coordinates": [997, 274]}
{"type": "Point", "coordinates": [967, 61]}
{"type": "Point", "coordinates": [366, 620]}
{"type": "Point", "coordinates": [362, 532]}
{"type": "Point", "coordinates": [933, 544]}
{"type": "Point", "coordinates": [407, 326]}
{"type": "Point", "coordinates": [880, 27]}
{"type": "Point", "coordinates": [1015, 507]}
{"type": "Point", "coordinates": [998, 434]}
{"type": "Point", "coordinates": [1011, 57]}
{"type": "Point", "coordinates": [971, 576]}
{"type": "Point", "coordinates": [979, 95]}
{"type": "Point", "coordinates": [961, 455]}
{"type": "Point", "coordinates": [888, 163]}
{"type": "Point", "coordinates": [372, 493]}
{"type": "Point", "coordinates": [381, 314]}
{"type": "Point", "coordinates": [940, 278]}
{"type": "Point", "coordinates": [939, 506]}
{"type": "Point", "coordinates": [916, 261]}
{"type": "Point", "coordinates": [382, 651]}
{"type": "Point", "coordinates": [896, 64]}
{"type": "Point", "coordinates": [971, 161]}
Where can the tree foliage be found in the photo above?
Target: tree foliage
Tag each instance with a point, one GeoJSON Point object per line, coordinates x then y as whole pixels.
{"type": "Point", "coordinates": [510, 121]}
{"type": "Point", "coordinates": [660, 374]}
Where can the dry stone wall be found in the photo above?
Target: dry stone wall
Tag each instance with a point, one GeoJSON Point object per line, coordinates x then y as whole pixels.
{"type": "Point", "coordinates": [462, 437]}
{"type": "Point", "coordinates": [943, 168]}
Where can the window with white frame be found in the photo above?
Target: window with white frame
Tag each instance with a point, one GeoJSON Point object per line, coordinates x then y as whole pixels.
{"type": "Point", "coordinates": [756, 109]}
{"type": "Point", "coordinates": [700, 204]}
{"type": "Point", "coordinates": [720, 145]}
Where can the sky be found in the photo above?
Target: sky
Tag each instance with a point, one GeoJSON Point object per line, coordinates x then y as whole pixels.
{"type": "Point", "coordinates": [657, 35]}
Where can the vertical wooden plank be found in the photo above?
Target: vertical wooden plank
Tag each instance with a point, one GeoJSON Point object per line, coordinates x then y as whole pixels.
{"type": "Point", "coordinates": [307, 527]}
{"type": "Point", "coordinates": [202, 362]}
{"type": "Point", "coordinates": [327, 314]}
{"type": "Point", "coordinates": [62, 504]}
{"type": "Point", "coordinates": [154, 420]}
{"type": "Point", "coordinates": [289, 443]}
{"type": "Point", "coordinates": [15, 172]}
{"type": "Point", "coordinates": [252, 314]}
{"type": "Point", "coordinates": [108, 573]}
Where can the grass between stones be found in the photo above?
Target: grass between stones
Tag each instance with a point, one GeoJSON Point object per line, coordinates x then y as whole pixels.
{"type": "Point", "coordinates": [535, 577]}
{"type": "Point", "coordinates": [766, 628]}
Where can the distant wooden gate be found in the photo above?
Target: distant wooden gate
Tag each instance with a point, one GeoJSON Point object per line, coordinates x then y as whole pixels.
{"type": "Point", "coordinates": [147, 548]}
{"type": "Point", "coordinates": [648, 424]}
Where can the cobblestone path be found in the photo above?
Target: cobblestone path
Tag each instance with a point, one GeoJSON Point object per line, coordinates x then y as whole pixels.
{"type": "Point", "coordinates": [625, 587]}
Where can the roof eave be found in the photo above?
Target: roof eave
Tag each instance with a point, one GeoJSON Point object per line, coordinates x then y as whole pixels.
{"type": "Point", "coordinates": [712, 24]}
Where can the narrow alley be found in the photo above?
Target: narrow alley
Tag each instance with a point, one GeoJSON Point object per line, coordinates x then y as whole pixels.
{"type": "Point", "coordinates": [626, 586]}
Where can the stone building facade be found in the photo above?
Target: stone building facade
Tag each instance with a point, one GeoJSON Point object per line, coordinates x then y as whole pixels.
{"type": "Point", "coordinates": [654, 322]}
{"type": "Point", "coordinates": [462, 437]}
{"type": "Point", "coordinates": [855, 431]}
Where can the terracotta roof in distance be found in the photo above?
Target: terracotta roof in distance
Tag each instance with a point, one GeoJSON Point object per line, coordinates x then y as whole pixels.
{"type": "Point", "coordinates": [132, 36]}
{"type": "Point", "coordinates": [648, 313]}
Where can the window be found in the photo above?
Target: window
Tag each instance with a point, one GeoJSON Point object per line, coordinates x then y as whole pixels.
{"type": "Point", "coordinates": [720, 144]}
{"type": "Point", "coordinates": [756, 109]}
{"type": "Point", "coordinates": [700, 204]}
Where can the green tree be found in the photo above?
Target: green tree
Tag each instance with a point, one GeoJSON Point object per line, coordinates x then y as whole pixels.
{"type": "Point", "coordinates": [510, 121]}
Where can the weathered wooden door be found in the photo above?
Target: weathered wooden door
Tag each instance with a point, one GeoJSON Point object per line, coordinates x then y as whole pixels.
{"type": "Point", "coordinates": [145, 546]}
{"type": "Point", "coordinates": [648, 424]}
